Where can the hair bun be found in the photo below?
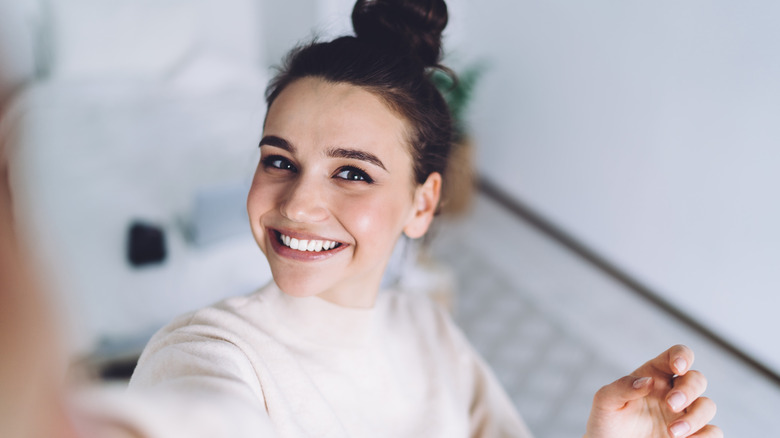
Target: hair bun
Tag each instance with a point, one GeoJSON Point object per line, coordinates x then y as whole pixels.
{"type": "Point", "coordinates": [402, 26]}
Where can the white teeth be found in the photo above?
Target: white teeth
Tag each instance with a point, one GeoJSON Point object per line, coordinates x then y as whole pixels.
{"type": "Point", "coordinates": [307, 245]}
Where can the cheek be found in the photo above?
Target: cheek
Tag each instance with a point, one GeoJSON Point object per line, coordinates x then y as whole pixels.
{"type": "Point", "coordinates": [260, 201]}
{"type": "Point", "coordinates": [255, 202]}
{"type": "Point", "coordinates": [262, 196]}
{"type": "Point", "coordinates": [378, 220]}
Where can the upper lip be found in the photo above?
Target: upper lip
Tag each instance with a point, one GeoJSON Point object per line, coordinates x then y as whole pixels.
{"type": "Point", "coordinates": [300, 235]}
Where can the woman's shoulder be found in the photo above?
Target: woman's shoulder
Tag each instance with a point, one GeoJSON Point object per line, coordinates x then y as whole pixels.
{"type": "Point", "coordinates": [231, 320]}
{"type": "Point", "coordinates": [224, 333]}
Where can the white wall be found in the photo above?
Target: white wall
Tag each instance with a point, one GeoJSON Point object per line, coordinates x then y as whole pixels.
{"type": "Point", "coordinates": [650, 131]}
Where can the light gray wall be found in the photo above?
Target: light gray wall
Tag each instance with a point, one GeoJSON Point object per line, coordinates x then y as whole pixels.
{"type": "Point", "coordinates": [649, 131]}
{"type": "Point", "coordinates": [285, 24]}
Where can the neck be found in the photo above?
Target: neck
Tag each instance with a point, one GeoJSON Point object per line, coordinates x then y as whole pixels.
{"type": "Point", "coordinates": [355, 297]}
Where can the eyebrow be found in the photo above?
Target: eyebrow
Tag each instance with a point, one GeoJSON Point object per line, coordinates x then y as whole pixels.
{"type": "Point", "coordinates": [356, 154]}
{"type": "Point", "coordinates": [272, 140]}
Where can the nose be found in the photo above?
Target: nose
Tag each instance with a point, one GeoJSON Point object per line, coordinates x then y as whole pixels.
{"type": "Point", "coordinates": [304, 201]}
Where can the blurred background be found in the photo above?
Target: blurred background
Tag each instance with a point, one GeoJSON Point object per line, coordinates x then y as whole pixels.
{"type": "Point", "coordinates": [626, 160]}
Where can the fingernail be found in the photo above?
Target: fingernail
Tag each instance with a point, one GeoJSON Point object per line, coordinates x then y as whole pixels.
{"type": "Point", "coordinates": [680, 364]}
{"type": "Point", "coordinates": [676, 400]}
{"type": "Point", "coordinates": [638, 383]}
{"type": "Point", "coordinates": [680, 429]}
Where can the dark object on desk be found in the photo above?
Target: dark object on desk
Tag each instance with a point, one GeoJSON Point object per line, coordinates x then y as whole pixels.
{"type": "Point", "coordinates": [145, 244]}
{"type": "Point", "coordinates": [120, 369]}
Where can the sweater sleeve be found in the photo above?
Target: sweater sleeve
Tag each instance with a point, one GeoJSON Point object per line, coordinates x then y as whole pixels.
{"type": "Point", "coordinates": [202, 384]}
{"type": "Point", "coordinates": [492, 413]}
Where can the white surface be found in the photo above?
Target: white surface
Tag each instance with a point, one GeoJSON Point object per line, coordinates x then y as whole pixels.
{"type": "Point", "coordinates": [649, 132]}
{"type": "Point", "coordinates": [93, 156]}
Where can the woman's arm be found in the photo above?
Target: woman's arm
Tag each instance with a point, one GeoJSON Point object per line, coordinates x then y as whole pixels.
{"type": "Point", "coordinates": [202, 383]}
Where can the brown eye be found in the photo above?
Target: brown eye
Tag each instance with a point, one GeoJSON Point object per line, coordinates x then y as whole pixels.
{"type": "Point", "coordinates": [279, 162]}
{"type": "Point", "coordinates": [351, 173]}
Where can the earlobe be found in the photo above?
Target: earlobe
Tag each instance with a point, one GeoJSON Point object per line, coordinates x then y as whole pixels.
{"type": "Point", "coordinates": [426, 199]}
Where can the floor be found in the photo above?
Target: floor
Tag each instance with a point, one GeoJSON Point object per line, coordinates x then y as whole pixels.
{"type": "Point", "coordinates": [555, 329]}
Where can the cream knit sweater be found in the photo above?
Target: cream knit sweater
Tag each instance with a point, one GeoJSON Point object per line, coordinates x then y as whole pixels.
{"type": "Point", "coordinates": [315, 369]}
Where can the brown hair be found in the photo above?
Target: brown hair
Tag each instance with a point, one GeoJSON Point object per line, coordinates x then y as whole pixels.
{"type": "Point", "coordinates": [396, 47]}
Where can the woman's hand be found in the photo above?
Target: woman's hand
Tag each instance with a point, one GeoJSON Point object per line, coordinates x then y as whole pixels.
{"type": "Point", "coordinates": [661, 399]}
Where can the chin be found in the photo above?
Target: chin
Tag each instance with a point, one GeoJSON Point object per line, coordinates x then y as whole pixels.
{"type": "Point", "coordinates": [345, 295]}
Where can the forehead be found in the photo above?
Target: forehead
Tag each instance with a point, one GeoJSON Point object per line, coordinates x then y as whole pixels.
{"type": "Point", "coordinates": [311, 111]}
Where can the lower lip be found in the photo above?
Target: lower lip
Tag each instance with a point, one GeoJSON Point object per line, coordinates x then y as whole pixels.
{"type": "Point", "coordinates": [303, 256]}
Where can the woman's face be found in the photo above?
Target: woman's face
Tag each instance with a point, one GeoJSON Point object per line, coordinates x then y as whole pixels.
{"type": "Point", "coordinates": [334, 190]}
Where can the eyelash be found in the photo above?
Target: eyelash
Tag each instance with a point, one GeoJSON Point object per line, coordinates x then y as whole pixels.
{"type": "Point", "coordinates": [268, 162]}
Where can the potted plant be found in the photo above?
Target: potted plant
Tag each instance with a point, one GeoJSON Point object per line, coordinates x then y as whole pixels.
{"type": "Point", "coordinates": [458, 191]}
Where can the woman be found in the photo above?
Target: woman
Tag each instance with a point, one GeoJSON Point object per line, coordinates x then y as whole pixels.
{"type": "Point", "coordinates": [353, 154]}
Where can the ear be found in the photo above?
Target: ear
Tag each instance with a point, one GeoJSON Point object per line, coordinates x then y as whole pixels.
{"type": "Point", "coordinates": [426, 198]}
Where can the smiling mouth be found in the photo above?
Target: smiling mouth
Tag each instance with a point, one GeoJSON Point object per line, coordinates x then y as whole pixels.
{"type": "Point", "coordinates": [306, 245]}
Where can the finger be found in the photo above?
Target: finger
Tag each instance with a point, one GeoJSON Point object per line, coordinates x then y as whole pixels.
{"type": "Point", "coordinates": [686, 389]}
{"type": "Point", "coordinates": [615, 395]}
{"type": "Point", "coordinates": [708, 431]}
{"type": "Point", "coordinates": [676, 360]}
{"type": "Point", "coordinates": [699, 413]}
